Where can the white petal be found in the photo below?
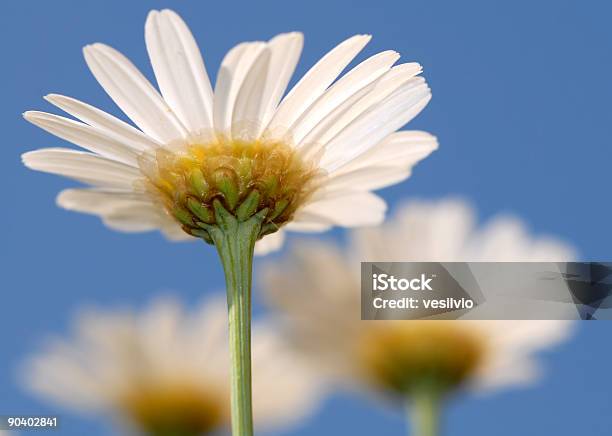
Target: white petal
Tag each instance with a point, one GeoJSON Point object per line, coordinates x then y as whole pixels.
{"type": "Point", "coordinates": [359, 103]}
{"type": "Point", "coordinates": [270, 243]}
{"type": "Point", "coordinates": [248, 105]}
{"type": "Point", "coordinates": [511, 233]}
{"type": "Point", "coordinates": [120, 210]}
{"type": "Point", "coordinates": [510, 372]}
{"type": "Point", "coordinates": [310, 218]}
{"type": "Point", "coordinates": [83, 135]}
{"type": "Point", "coordinates": [179, 69]}
{"type": "Point", "coordinates": [348, 209]}
{"type": "Point", "coordinates": [434, 230]}
{"type": "Point", "coordinates": [133, 219]}
{"type": "Point", "coordinates": [82, 166]}
{"type": "Point", "coordinates": [513, 346]}
{"type": "Point", "coordinates": [234, 68]}
{"type": "Point", "coordinates": [160, 328]}
{"type": "Point", "coordinates": [388, 162]}
{"type": "Point", "coordinates": [123, 210]}
{"type": "Point", "coordinates": [375, 124]}
{"type": "Point", "coordinates": [173, 231]}
{"type": "Point", "coordinates": [103, 121]}
{"type": "Point", "coordinates": [285, 52]}
{"type": "Point", "coordinates": [368, 178]}
{"type": "Point", "coordinates": [399, 150]}
{"type": "Point", "coordinates": [283, 376]}
{"type": "Point", "coordinates": [133, 93]}
{"type": "Point", "coordinates": [59, 375]}
{"type": "Point", "coordinates": [351, 83]}
{"type": "Point", "coordinates": [529, 336]}
{"type": "Point", "coordinates": [308, 223]}
{"type": "Point", "coordinates": [316, 81]}
{"type": "Point", "coordinates": [311, 147]}
{"type": "Point", "coordinates": [99, 201]}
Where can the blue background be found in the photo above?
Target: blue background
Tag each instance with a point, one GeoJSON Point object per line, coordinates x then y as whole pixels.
{"type": "Point", "coordinates": [521, 107]}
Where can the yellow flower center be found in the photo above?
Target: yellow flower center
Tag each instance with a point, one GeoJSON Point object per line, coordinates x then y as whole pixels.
{"type": "Point", "coordinates": [246, 176]}
{"type": "Point", "coordinates": [177, 410]}
{"type": "Point", "coordinates": [401, 355]}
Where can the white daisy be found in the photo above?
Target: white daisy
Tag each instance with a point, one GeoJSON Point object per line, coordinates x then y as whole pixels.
{"type": "Point", "coordinates": [165, 371]}
{"type": "Point", "coordinates": [422, 360]}
{"type": "Point", "coordinates": [310, 159]}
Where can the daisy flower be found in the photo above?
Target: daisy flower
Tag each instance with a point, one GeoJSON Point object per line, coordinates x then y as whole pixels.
{"type": "Point", "coordinates": [164, 371]}
{"type": "Point", "coordinates": [309, 160]}
{"type": "Point", "coordinates": [234, 165]}
{"type": "Point", "coordinates": [421, 361]}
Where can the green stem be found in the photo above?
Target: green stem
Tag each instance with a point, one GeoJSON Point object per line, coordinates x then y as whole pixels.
{"type": "Point", "coordinates": [425, 411]}
{"type": "Point", "coordinates": [235, 242]}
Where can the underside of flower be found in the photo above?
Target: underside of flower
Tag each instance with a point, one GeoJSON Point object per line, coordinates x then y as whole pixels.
{"type": "Point", "coordinates": [246, 177]}
{"type": "Point", "coordinates": [175, 410]}
{"type": "Point", "coordinates": [403, 356]}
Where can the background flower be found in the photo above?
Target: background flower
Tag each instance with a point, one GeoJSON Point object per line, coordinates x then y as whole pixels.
{"type": "Point", "coordinates": [167, 369]}
{"type": "Point", "coordinates": [317, 294]}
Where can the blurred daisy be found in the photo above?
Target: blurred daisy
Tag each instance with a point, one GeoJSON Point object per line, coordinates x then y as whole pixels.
{"type": "Point", "coordinates": [165, 371]}
{"type": "Point", "coordinates": [419, 360]}
{"type": "Point", "coordinates": [308, 160]}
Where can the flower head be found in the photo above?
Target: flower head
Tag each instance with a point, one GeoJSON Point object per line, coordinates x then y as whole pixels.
{"type": "Point", "coordinates": [400, 356]}
{"type": "Point", "coordinates": [307, 161]}
{"type": "Point", "coordinates": [165, 371]}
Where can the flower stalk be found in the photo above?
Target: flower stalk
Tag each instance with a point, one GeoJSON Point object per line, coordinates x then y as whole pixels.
{"type": "Point", "coordinates": [235, 241]}
{"type": "Point", "coordinates": [424, 404]}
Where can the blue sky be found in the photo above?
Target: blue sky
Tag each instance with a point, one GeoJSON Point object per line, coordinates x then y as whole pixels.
{"type": "Point", "coordinates": [520, 105]}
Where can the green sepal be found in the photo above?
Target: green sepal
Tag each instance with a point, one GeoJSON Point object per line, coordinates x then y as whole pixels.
{"type": "Point", "coordinates": [198, 183]}
{"type": "Point", "coordinates": [248, 207]}
{"type": "Point", "coordinates": [203, 234]}
{"type": "Point", "coordinates": [268, 229]}
{"type": "Point", "coordinates": [201, 211]}
{"type": "Point", "coordinates": [183, 215]}
{"type": "Point", "coordinates": [225, 181]}
{"type": "Point", "coordinates": [279, 208]}
{"type": "Point", "coordinates": [223, 218]}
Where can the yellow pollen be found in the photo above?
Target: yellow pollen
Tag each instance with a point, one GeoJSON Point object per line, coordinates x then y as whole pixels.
{"type": "Point", "coordinates": [401, 355]}
{"type": "Point", "coordinates": [175, 410]}
{"type": "Point", "coordinates": [246, 176]}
